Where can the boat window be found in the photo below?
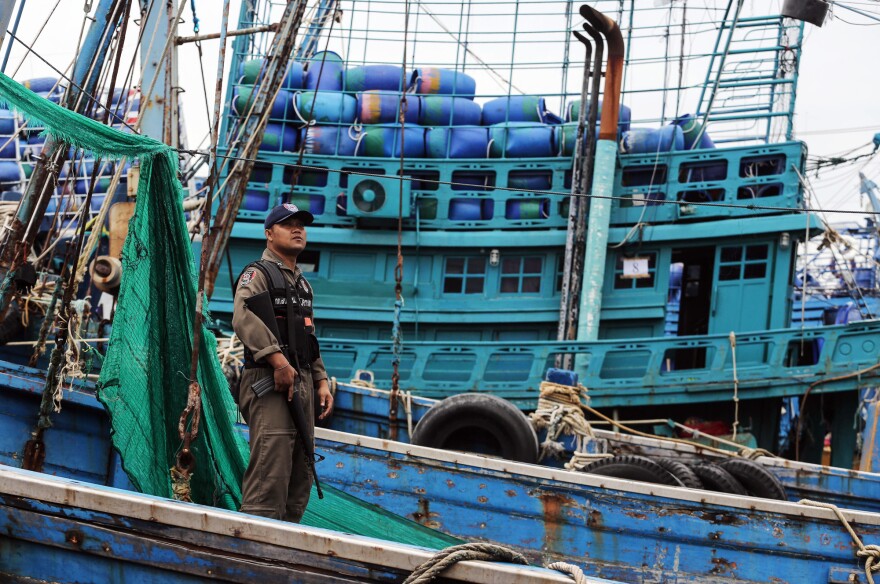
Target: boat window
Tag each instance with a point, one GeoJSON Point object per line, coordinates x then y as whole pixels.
{"type": "Point", "coordinates": [638, 176]}
{"type": "Point", "coordinates": [628, 272]}
{"type": "Point", "coordinates": [702, 171]}
{"type": "Point", "coordinates": [743, 262]}
{"type": "Point", "coordinates": [701, 195]}
{"type": "Point", "coordinates": [309, 261]}
{"type": "Point", "coordinates": [423, 180]}
{"type": "Point", "coordinates": [762, 165]}
{"type": "Point", "coordinates": [521, 275]}
{"type": "Point", "coordinates": [307, 178]}
{"type": "Point", "coordinates": [472, 180]}
{"type": "Point", "coordinates": [464, 275]}
{"type": "Point", "coordinates": [759, 191]}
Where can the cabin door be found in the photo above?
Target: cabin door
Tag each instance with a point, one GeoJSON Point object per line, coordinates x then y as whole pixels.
{"type": "Point", "coordinates": [696, 266]}
{"type": "Point", "coordinates": [741, 293]}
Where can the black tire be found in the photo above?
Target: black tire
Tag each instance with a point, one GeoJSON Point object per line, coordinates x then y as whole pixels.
{"type": "Point", "coordinates": [480, 423]}
{"type": "Point", "coordinates": [633, 468]}
{"type": "Point", "coordinates": [758, 481]}
{"type": "Point", "coordinates": [681, 471]}
{"type": "Point", "coordinates": [715, 478]}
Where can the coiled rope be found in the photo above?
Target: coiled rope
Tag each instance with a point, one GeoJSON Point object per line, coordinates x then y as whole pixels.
{"type": "Point", "coordinates": [574, 571]}
{"type": "Point", "coordinates": [560, 412]}
{"type": "Point", "coordinates": [871, 553]}
{"type": "Point", "coordinates": [443, 559]}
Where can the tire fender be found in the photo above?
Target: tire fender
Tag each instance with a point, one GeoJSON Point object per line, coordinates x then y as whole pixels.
{"type": "Point", "coordinates": [481, 423]}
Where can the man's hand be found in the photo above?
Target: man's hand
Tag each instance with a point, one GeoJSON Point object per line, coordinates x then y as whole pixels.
{"type": "Point", "coordinates": [285, 374]}
{"type": "Point", "coordinates": [285, 381]}
{"type": "Point", "coordinates": [325, 398]}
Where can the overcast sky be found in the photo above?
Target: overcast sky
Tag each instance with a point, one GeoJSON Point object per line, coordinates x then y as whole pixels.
{"type": "Point", "coordinates": [836, 109]}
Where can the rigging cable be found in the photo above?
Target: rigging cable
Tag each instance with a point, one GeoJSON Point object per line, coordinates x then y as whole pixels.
{"type": "Point", "coordinates": [397, 335]}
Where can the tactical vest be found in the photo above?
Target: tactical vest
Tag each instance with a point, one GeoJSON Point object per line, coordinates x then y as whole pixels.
{"type": "Point", "coordinates": [303, 348]}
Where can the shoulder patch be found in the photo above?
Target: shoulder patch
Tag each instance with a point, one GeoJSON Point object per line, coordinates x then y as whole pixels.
{"type": "Point", "coordinates": [247, 277]}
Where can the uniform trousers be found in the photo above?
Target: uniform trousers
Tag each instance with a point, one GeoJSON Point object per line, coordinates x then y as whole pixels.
{"type": "Point", "coordinates": [277, 481]}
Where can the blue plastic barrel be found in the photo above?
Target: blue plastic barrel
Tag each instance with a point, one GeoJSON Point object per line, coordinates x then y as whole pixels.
{"type": "Point", "coordinates": [471, 209]}
{"type": "Point", "coordinates": [369, 77]}
{"type": "Point", "coordinates": [326, 107]}
{"type": "Point", "coordinates": [329, 140]}
{"type": "Point", "coordinates": [81, 185]}
{"type": "Point", "coordinates": [518, 108]}
{"type": "Point", "coordinates": [522, 140]}
{"type": "Point", "coordinates": [255, 200]}
{"type": "Point", "coordinates": [647, 141]}
{"type": "Point", "coordinates": [10, 172]}
{"type": "Point", "coordinates": [624, 118]}
{"type": "Point", "coordinates": [11, 196]}
{"type": "Point", "coordinates": [40, 84]}
{"type": "Point", "coordinates": [690, 127]}
{"type": "Point", "coordinates": [280, 138]}
{"type": "Point", "coordinates": [530, 180]}
{"type": "Point", "coordinates": [261, 173]}
{"type": "Point", "coordinates": [528, 209]}
{"type": "Point", "coordinates": [282, 107]}
{"type": "Point", "coordinates": [325, 72]}
{"type": "Point", "coordinates": [384, 141]}
{"type": "Point", "coordinates": [457, 142]}
{"type": "Point", "coordinates": [97, 201]}
{"type": "Point", "coordinates": [432, 80]}
{"type": "Point", "coordinates": [7, 122]}
{"type": "Point", "coordinates": [442, 110]}
{"type": "Point", "coordinates": [252, 70]}
{"type": "Point", "coordinates": [382, 107]}
{"type": "Point", "coordinates": [313, 203]}
{"type": "Point", "coordinates": [9, 147]}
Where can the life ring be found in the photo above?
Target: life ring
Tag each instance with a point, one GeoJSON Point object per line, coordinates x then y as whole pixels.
{"type": "Point", "coordinates": [681, 471]}
{"type": "Point", "coordinates": [480, 423]}
{"type": "Point", "coordinates": [715, 478]}
{"type": "Point", "coordinates": [758, 481]}
{"type": "Point", "coordinates": [633, 468]}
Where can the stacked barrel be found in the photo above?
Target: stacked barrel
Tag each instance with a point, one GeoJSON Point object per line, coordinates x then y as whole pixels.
{"type": "Point", "coordinates": [21, 145]}
{"type": "Point", "coordinates": [329, 109]}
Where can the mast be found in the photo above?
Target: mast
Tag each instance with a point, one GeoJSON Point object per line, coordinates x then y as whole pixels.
{"type": "Point", "coordinates": [252, 132]}
{"type": "Point", "coordinates": [23, 229]}
{"type": "Point", "coordinates": [599, 219]}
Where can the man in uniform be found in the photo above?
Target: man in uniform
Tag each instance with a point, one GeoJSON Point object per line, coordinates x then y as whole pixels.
{"type": "Point", "coordinates": [277, 481]}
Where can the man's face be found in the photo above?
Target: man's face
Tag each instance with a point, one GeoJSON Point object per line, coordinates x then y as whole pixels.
{"type": "Point", "coordinates": [287, 237]}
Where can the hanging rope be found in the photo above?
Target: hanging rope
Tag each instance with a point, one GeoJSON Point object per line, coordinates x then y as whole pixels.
{"type": "Point", "coordinates": [871, 553]}
{"type": "Point", "coordinates": [560, 412]}
{"type": "Point", "coordinates": [732, 338]}
{"type": "Point", "coordinates": [443, 559]}
{"type": "Point", "coordinates": [396, 333]}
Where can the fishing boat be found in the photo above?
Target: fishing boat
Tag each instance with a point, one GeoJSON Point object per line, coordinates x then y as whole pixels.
{"type": "Point", "coordinates": [455, 175]}
{"type": "Point", "coordinates": [476, 206]}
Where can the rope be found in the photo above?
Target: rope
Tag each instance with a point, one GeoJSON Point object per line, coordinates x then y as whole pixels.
{"type": "Point", "coordinates": [443, 559]}
{"type": "Point", "coordinates": [574, 571]}
{"type": "Point", "coordinates": [180, 485]}
{"type": "Point", "coordinates": [871, 553]}
{"type": "Point", "coordinates": [732, 339]}
{"type": "Point", "coordinates": [559, 412]}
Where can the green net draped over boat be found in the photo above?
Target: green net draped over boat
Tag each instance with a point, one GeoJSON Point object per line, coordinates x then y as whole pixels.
{"type": "Point", "coordinates": [143, 383]}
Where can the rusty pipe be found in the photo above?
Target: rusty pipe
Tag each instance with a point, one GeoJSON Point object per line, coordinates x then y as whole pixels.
{"type": "Point", "coordinates": [613, 70]}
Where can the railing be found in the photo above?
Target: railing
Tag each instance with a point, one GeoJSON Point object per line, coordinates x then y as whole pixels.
{"type": "Point", "coordinates": [482, 194]}
{"type": "Point", "coordinates": [664, 370]}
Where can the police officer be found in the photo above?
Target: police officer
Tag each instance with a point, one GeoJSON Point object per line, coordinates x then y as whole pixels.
{"type": "Point", "coordinates": [277, 481]}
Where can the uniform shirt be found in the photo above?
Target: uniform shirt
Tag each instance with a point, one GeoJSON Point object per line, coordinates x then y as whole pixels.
{"type": "Point", "coordinates": [250, 329]}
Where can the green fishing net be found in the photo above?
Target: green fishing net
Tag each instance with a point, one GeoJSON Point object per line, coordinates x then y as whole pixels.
{"type": "Point", "coordinates": [143, 383]}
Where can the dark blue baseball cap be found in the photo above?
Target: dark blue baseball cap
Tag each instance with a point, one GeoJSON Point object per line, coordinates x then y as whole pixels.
{"type": "Point", "coordinates": [284, 211]}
